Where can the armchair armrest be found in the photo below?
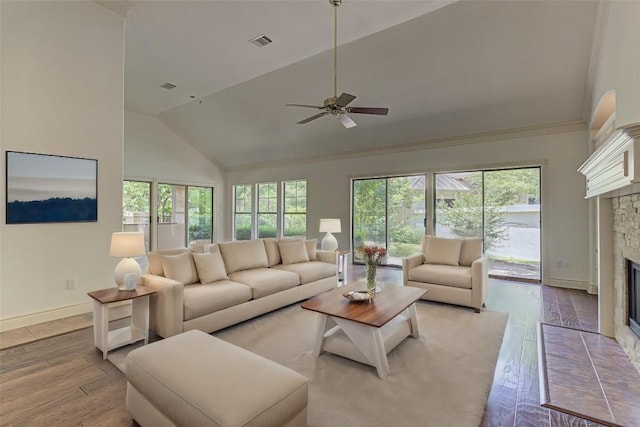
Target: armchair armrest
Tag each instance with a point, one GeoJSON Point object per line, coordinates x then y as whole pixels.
{"type": "Point", "coordinates": [166, 308]}
{"type": "Point", "coordinates": [327, 256]}
{"type": "Point", "coordinates": [408, 263]}
{"type": "Point", "coordinates": [479, 282]}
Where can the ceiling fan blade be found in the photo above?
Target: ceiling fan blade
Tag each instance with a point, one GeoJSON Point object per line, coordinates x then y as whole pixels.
{"type": "Point", "coordinates": [344, 99]}
{"type": "Point", "coordinates": [368, 110]}
{"type": "Point", "coordinates": [346, 121]}
{"type": "Point", "coordinates": [304, 105]}
{"type": "Point", "coordinates": [317, 116]}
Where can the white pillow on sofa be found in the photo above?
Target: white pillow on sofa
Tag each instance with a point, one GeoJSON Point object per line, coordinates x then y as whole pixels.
{"type": "Point", "coordinates": [180, 268]}
{"type": "Point", "coordinates": [293, 252]}
{"type": "Point", "coordinates": [439, 250]}
{"type": "Point", "coordinates": [311, 249]}
{"type": "Point", "coordinates": [210, 267]}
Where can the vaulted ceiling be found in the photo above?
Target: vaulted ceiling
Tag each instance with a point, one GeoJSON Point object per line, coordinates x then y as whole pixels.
{"type": "Point", "coordinates": [444, 69]}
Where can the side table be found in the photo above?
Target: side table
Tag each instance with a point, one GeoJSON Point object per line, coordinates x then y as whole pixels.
{"type": "Point", "coordinates": [103, 305]}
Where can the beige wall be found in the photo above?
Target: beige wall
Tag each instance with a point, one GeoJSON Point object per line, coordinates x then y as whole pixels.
{"type": "Point", "coordinates": [565, 212]}
{"type": "Point", "coordinates": [619, 61]}
{"type": "Point", "coordinates": [153, 151]}
{"type": "Point", "coordinates": [62, 93]}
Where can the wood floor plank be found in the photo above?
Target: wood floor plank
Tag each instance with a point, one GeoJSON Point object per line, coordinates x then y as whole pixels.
{"type": "Point", "coordinates": [501, 407]}
{"type": "Point", "coordinates": [528, 409]}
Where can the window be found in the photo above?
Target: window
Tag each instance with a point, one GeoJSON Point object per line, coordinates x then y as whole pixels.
{"type": "Point", "coordinates": [242, 212]}
{"type": "Point", "coordinates": [295, 208]}
{"type": "Point", "coordinates": [267, 209]}
{"type": "Point", "coordinates": [177, 206]}
{"type": "Point", "coordinates": [171, 203]}
{"type": "Point", "coordinates": [136, 208]}
{"type": "Point", "coordinates": [200, 214]}
{"type": "Point", "coordinates": [389, 212]}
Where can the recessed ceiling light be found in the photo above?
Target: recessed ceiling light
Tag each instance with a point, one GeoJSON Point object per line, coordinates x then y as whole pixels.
{"type": "Point", "coordinates": [261, 40]}
{"type": "Point", "coordinates": [168, 86]}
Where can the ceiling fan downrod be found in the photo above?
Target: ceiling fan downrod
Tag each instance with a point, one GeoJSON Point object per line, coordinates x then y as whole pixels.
{"type": "Point", "coordinates": [335, 4]}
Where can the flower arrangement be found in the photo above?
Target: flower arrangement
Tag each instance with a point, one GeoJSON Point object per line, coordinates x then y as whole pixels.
{"type": "Point", "coordinates": [371, 255]}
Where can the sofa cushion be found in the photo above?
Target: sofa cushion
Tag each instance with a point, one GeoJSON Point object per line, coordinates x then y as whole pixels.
{"type": "Point", "coordinates": [293, 252]}
{"type": "Point", "coordinates": [155, 259]}
{"type": "Point", "coordinates": [273, 252]}
{"type": "Point", "coordinates": [180, 268]}
{"type": "Point", "coordinates": [266, 281]}
{"type": "Point", "coordinates": [439, 250]}
{"type": "Point", "coordinates": [210, 266]}
{"type": "Point", "coordinates": [311, 245]}
{"type": "Point", "coordinates": [470, 251]}
{"type": "Point", "coordinates": [437, 274]}
{"type": "Point", "coordinates": [243, 255]}
{"type": "Point", "coordinates": [204, 299]}
{"type": "Point", "coordinates": [309, 271]}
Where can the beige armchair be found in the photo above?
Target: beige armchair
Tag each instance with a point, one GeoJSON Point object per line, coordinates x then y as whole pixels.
{"type": "Point", "coordinates": [452, 270]}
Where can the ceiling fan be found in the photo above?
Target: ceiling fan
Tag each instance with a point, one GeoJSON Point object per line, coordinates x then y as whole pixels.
{"type": "Point", "coordinates": [337, 106]}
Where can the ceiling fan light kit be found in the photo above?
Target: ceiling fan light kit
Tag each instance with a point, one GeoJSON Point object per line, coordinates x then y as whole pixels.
{"type": "Point", "coordinates": [337, 106]}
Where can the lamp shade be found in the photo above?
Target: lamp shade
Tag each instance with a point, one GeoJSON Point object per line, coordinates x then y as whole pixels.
{"type": "Point", "coordinates": [330, 225]}
{"type": "Point", "coordinates": [127, 244]}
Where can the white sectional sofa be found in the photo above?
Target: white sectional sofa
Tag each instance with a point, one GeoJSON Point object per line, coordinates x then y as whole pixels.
{"type": "Point", "coordinates": [452, 270]}
{"type": "Point", "coordinates": [233, 281]}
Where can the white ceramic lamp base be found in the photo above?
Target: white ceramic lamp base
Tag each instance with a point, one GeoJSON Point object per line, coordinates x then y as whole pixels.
{"type": "Point", "coordinates": [127, 274]}
{"type": "Point", "coordinates": [329, 242]}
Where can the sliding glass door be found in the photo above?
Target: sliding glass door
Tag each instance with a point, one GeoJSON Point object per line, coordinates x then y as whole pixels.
{"type": "Point", "coordinates": [389, 212]}
{"type": "Point", "coordinates": [502, 207]}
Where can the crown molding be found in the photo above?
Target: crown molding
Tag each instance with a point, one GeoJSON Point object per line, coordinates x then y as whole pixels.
{"type": "Point", "coordinates": [545, 129]}
{"type": "Point", "coordinates": [141, 110]}
{"type": "Point", "coordinates": [121, 7]}
{"type": "Point", "coordinates": [599, 33]}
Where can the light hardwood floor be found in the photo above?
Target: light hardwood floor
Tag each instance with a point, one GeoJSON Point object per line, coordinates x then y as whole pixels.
{"type": "Point", "coordinates": [63, 381]}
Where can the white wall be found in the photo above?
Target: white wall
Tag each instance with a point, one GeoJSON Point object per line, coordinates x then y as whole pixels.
{"type": "Point", "coordinates": [152, 150]}
{"type": "Point", "coordinates": [62, 93]}
{"type": "Point", "coordinates": [564, 210]}
{"type": "Point", "coordinates": [619, 62]}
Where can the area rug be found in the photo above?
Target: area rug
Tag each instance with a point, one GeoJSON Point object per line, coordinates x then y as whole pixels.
{"type": "Point", "coordinates": [442, 379]}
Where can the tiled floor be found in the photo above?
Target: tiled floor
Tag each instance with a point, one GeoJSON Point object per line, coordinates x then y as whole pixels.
{"type": "Point", "coordinates": [39, 331]}
{"type": "Point", "coordinates": [588, 374]}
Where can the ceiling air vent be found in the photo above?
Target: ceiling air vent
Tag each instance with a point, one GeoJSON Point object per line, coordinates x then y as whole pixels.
{"type": "Point", "coordinates": [168, 86]}
{"type": "Point", "coordinates": [261, 41]}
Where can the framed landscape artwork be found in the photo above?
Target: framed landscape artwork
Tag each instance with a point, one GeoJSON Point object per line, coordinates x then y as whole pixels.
{"type": "Point", "coordinates": [48, 188]}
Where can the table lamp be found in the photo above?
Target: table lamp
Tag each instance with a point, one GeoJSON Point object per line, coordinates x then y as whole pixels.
{"type": "Point", "coordinates": [127, 245]}
{"type": "Point", "coordinates": [329, 225]}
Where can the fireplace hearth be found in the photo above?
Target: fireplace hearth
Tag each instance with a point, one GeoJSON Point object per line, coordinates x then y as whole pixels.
{"type": "Point", "coordinates": [633, 281]}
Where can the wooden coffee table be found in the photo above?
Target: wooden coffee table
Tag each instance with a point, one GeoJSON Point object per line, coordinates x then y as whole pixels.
{"type": "Point", "coordinates": [365, 331]}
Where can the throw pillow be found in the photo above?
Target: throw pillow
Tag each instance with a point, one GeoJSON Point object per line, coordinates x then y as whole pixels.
{"type": "Point", "coordinates": [293, 252]}
{"type": "Point", "coordinates": [311, 249]}
{"type": "Point", "coordinates": [470, 251]}
{"type": "Point", "coordinates": [180, 268]}
{"type": "Point", "coordinates": [210, 267]}
{"type": "Point", "coordinates": [273, 253]}
{"type": "Point", "coordinates": [442, 251]}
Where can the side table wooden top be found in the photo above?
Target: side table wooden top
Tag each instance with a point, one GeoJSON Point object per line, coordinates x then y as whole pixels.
{"type": "Point", "coordinates": [109, 295]}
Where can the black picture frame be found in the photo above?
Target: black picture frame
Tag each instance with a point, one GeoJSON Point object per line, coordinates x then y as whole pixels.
{"type": "Point", "coordinates": [46, 188]}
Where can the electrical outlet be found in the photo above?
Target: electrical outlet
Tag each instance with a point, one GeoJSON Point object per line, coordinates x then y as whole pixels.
{"type": "Point", "coordinates": [71, 284]}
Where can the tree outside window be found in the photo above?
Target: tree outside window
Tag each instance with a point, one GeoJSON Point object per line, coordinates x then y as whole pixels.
{"type": "Point", "coordinates": [295, 208]}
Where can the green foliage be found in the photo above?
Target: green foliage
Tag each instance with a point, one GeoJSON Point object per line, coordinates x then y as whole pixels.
{"type": "Point", "coordinates": [400, 250]}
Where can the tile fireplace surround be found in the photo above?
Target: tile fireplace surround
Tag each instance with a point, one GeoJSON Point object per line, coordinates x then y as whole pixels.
{"type": "Point", "coordinates": [626, 244]}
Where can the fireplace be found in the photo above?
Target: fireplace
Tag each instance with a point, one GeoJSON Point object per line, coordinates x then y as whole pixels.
{"type": "Point", "coordinates": [633, 281]}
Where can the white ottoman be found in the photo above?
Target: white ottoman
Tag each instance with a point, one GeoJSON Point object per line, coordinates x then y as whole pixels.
{"type": "Point", "coordinates": [193, 379]}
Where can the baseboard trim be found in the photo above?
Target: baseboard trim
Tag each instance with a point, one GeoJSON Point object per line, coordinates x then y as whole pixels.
{"type": "Point", "coordinates": [44, 316]}
{"type": "Point", "coordinates": [569, 284]}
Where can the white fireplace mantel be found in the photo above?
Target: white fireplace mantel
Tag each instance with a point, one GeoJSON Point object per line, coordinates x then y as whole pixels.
{"type": "Point", "coordinates": [615, 165]}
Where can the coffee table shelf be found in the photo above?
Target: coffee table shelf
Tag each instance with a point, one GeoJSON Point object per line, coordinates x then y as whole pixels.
{"type": "Point", "coordinates": [365, 331]}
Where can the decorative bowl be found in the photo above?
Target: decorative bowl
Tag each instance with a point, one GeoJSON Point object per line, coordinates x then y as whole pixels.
{"type": "Point", "coordinates": [359, 296]}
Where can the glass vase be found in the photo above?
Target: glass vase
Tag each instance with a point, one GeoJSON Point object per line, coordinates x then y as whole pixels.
{"type": "Point", "coordinates": [371, 277]}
